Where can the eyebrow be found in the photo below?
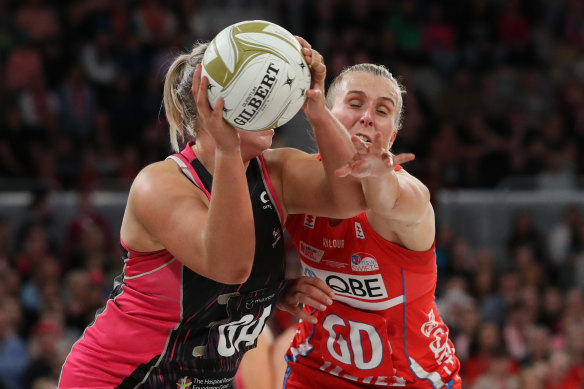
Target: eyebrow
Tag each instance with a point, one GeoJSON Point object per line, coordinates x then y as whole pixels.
{"type": "Point", "coordinates": [363, 93]}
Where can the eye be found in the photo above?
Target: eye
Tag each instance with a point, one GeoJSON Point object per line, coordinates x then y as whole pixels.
{"type": "Point", "coordinates": [354, 103]}
{"type": "Point", "coordinates": [383, 111]}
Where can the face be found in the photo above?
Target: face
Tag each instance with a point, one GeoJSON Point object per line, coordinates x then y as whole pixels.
{"type": "Point", "coordinates": [366, 103]}
{"type": "Point", "coordinates": [254, 143]}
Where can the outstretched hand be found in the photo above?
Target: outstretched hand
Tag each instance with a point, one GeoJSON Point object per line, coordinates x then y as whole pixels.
{"type": "Point", "coordinates": [310, 291]}
{"type": "Point", "coordinates": [225, 136]}
{"type": "Point", "coordinates": [372, 159]}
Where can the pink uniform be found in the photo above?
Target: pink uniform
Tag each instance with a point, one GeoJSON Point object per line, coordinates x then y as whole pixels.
{"type": "Point", "coordinates": [166, 326]}
{"type": "Point", "coordinates": [383, 328]}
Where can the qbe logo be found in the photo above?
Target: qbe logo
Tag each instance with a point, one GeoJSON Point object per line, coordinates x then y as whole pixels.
{"type": "Point", "coordinates": [356, 290]}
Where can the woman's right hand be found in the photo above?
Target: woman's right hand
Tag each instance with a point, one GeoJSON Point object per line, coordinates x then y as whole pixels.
{"type": "Point", "coordinates": [225, 136]}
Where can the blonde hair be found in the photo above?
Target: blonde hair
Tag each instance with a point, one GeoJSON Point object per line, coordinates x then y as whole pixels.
{"type": "Point", "coordinates": [375, 70]}
{"type": "Point", "coordinates": [179, 104]}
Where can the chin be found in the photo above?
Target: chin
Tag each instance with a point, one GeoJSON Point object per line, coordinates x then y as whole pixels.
{"type": "Point", "coordinates": [256, 142]}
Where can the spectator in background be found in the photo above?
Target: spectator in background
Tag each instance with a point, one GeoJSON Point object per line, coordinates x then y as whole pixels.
{"type": "Point", "coordinates": [77, 105]}
{"type": "Point", "coordinates": [13, 351]}
{"type": "Point", "coordinates": [563, 237]}
{"type": "Point", "coordinates": [486, 345]}
{"type": "Point", "coordinates": [98, 63]}
{"type": "Point", "coordinates": [86, 224]}
{"type": "Point", "coordinates": [438, 40]}
{"type": "Point", "coordinates": [499, 374]}
{"type": "Point", "coordinates": [39, 106]}
{"type": "Point", "coordinates": [47, 352]}
{"type": "Point", "coordinates": [37, 20]}
{"type": "Point", "coordinates": [524, 234]}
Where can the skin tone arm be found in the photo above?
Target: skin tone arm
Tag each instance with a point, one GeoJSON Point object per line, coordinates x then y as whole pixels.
{"type": "Point", "coordinates": [165, 211]}
{"type": "Point", "coordinates": [306, 184]}
{"type": "Point", "coordinates": [399, 204]}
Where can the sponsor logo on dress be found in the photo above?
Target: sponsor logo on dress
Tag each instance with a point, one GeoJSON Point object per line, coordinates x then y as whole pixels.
{"type": "Point", "coordinates": [359, 231]}
{"type": "Point", "coordinates": [310, 252]}
{"type": "Point", "coordinates": [363, 262]}
{"type": "Point", "coordinates": [184, 383]}
{"type": "Point", "coordinates": [439, 342]}
{"type": "Point", "coordinates": [333, 243]}
{"type": "Point", "coordinates": [309, 273]}
{"type": "Point", "coordinates": [309, 221]}
{"type": "Point", "coordinates": [208, 383]}
{"type": "Point", "coordinates": [243, 333]}
{"type": "Point", "coordinates": [265, 200]}
{"type": "Point", "coordinates": [277, 236]}
{"type": "Point", "coordinates": [360, 291]}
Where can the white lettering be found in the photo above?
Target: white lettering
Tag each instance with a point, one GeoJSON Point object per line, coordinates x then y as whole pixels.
{"type": "Point", "coordinates": [374, 340]}
{"type": "Point", "coordinates": [228, 344]}
{"type": "Point", "coordinates": [439, 345]}
{"type": "Point", "coordinates": [344, 355]}
{"type": "Point", "coordinates": [333, 243]}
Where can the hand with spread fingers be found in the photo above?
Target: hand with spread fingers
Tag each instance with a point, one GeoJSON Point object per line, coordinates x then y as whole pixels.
{"type": "Point", "coordinates": [372, 159]}
{"type": "Point", "coordinates": [309, 291]}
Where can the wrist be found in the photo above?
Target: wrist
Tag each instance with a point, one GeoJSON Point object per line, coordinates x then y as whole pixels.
{"type": "Point", "coordinates": [225, 151]}
{"type": "Point", "coordinates": [320, 117]}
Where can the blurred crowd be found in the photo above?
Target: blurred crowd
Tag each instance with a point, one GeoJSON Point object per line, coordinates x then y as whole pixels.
{"type": "Point", "coordinates": [494, 90]}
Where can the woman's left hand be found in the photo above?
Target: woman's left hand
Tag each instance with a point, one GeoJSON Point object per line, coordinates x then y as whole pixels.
{"type": "Point", "coordinates": [310, 291]}
{"type": "Point", "coordinates": [315, 96]}
{"type": "Point", "coordinates": [372, 159]}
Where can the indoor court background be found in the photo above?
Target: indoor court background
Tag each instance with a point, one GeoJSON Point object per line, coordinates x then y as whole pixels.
{"type": "Point", "coordinates": [494, 112]}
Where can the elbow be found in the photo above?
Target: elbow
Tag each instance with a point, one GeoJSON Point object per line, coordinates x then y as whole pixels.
{"type": "Point", "coordinates": [231, 274]}
{"type": "Point", "coordinates": [238, 270]}
{"type": "Point", "coordinates": [231, 265]}
{"type": "Point", "coordinates": [238, 276]}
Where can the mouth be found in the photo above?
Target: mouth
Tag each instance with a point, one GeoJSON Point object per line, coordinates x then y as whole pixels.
{"type": "Point", "coordinates": [364, 138]}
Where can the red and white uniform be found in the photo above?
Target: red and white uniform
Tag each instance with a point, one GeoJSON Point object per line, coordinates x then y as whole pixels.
{"type": "Point", "coordinates": [383, 328]}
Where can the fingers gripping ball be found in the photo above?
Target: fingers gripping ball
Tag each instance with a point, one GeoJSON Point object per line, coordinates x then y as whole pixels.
{"type": "Point", "coordinates": [259, 69]}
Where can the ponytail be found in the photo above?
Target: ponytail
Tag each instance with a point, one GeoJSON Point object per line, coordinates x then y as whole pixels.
{"type": "Point", "coordinates": [179, 104]}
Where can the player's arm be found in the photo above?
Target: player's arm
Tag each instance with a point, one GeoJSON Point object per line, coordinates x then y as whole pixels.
{"type": "Point", "coordinates": [398, 204]}
{"type": "Point", "coordinates": [173, 214]}
{"type": "Point", "coordinates": [166, 210]}
{"type": "Point", "coordinates": [312, 186]}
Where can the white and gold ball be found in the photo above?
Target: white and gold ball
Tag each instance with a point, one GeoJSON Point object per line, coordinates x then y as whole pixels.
{"type": "Point", "coordinates": [258, 68]}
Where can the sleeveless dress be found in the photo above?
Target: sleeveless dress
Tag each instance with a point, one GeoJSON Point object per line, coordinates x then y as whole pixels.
{"type": "Point", "coordinates": [165, 326]}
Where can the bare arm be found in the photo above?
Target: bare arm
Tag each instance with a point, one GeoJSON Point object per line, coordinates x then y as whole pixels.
{"type": "Point", "coordinates": [399, 207]}
{"type": "Point", "coordinates": [310, 186]}
{"type": "Point", "coordinates": [165, 210]}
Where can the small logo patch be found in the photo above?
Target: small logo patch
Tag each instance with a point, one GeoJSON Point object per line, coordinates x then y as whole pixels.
{"type": "Point", "coordinates": [359, 231]}
{"type": "Point", "coordinates": [265, 200]}
{"type": "Point", "coordinates": [309, 273]}
{"type": "Point", "coordinates": [309, 221]}
{"type": "Point", "coordinates": [184, 383]}
{"type": "Point", "coordinates": [363, 262]}
{"type": "Point", "coordinates": [310, 252]}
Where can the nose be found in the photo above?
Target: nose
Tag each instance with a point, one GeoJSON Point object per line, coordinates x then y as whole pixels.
{"type": "Point", "coordinates": [367, 118]}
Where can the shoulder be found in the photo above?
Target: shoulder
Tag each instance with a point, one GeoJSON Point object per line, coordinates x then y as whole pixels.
{"type": "Point", "coordinates": [152, 177]}
{"type": "Point", "coordinates": [284, 154]}
{"type": "Point", "coordinates": [160, 181]}
{"type": "Point", "coordinates": [283, 161]}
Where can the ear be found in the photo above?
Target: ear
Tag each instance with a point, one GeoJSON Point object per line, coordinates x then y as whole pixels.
{"type": "Point", "coordinates": [392, 139]}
